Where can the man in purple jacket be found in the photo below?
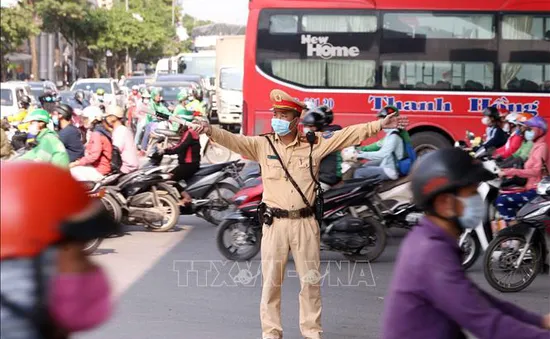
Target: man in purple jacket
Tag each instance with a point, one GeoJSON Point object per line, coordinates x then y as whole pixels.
{"type": "Point", "coordinates": [430, 295]}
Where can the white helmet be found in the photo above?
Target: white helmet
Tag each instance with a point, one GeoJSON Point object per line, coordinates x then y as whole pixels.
{"type": "Point", "coordinates": [511, 118]}
{"type": "Point", "coordinates": [92, 113]}
{"type": "Point", "coordinates": [135, 88]}
{"type": "Point", "coordinates": [349, 154]}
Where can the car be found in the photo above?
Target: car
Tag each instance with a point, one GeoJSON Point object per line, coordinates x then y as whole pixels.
{"type": "Point", "coordinates": [67, 97]}
{"type": "Point", "coordinates": [39, 87]}
{"type": "Point", "coordinates": [170, 90]}
{"type": "Point", "coordinates": [136, 80]}
{"type": "Point", "coordinates": [198, 79]}
{"type": "Point", "coordinates": [10, 95]}
{"type": "Point", "coordinates": [113, 93]}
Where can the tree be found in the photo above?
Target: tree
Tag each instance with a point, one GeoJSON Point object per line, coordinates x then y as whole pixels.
{"type": "Point", "coordinates": [16, 25]}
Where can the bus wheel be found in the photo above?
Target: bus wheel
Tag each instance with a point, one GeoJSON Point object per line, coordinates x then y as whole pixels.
{"type": "Point", "coordinates": [424, 142]}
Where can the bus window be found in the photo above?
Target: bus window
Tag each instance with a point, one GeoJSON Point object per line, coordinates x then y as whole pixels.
{"type": "Point", "coordinates": [339, 24]}
{"type": "Point", "coordinates": [525, 27]}
{"type": "Point", "coordinates": [283, 24]}
{"type": "Point", "coordinates": [438, 26]}
{"type": "Point", "coordinates": [523, 77]}
{"type": "Point", "coordinates": [472, 76]}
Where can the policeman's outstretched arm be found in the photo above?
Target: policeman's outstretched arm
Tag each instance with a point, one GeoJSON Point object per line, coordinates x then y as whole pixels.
{"type": "Point", "coordinates": [247, 146]}
{"type": "Point", "coordinates": [355, 134]}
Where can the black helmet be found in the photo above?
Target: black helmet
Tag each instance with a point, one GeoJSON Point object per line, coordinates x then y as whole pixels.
{"type": "Point", "coordinates": [329, 115]}
{"type": "Point", "coordinates": [65, 110]}
{"type": "Point", "coordinates": [25, 99]}
{"type": "Point", "coordinates": [384, 112]}
{"type": "Point", "coordinates": [443, 171]}
{"type": "Point", "coordinates": [79, 95]}
{"type": "Point", "coordinates": [314, 118]}
{"type": "Point", "coordinates": [492, 112]}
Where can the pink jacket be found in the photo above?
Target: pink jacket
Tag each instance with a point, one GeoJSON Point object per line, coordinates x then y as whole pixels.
{"type": "Point", "coordinates": [532, 169]}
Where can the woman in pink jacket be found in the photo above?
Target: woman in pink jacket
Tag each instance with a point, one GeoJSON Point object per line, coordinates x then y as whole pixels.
{"type": "Point", "coordinates": [535, 167]}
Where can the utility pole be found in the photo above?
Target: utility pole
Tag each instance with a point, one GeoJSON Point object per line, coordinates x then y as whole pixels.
{"type": "Point", "coordinates": [173, 12]}
{"type": "Point", "coordinates": [73, 73]}
{"type": "Point", "coordinates": [128, 66]}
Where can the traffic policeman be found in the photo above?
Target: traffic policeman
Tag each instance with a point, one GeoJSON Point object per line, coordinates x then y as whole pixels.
{"type": "Point", "coordinates": [293, 226]}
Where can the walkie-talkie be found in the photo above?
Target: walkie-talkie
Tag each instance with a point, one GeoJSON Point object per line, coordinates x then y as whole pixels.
{"type": "Point", "coordinates": [318, 206]}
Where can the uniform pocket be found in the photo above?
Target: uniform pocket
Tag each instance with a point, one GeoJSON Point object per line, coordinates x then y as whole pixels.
{"type": "Point", "coordinates": [274, 170]}
{"type": "Point", "coordinates": [303, 168]}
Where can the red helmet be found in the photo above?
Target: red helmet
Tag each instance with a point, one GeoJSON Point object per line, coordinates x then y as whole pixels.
{"type": "Point", "coordinates": [40, 203]}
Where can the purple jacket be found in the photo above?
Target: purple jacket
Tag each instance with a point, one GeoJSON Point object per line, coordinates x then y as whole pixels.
{"type": "Point", "coordinates": [431, 297]}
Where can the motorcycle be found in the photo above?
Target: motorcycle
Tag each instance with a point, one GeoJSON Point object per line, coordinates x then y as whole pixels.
{"type": "Point", "coordinates": [357, 235]}
{"type": "Point", "coordinates": [521, 248]}
{"type": "Point", "coordinates": [97, 190]}
{"type": "Point", "coordinates": [144, 200]}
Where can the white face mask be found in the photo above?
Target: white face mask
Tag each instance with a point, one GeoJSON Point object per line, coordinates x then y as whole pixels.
{"type": "Point", "coordinates": [486, 121]}
{"type": "Point", "coordinates": [33, 128]}
{"type": "Point", "coordinates": [306, 130]}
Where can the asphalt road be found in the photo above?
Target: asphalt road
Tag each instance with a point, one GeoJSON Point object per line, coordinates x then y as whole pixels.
{"type": "Point", "coordinates": [177, 285]}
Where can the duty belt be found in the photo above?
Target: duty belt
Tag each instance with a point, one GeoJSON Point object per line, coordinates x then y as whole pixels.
{"type": "Point", "coordinates": [305, 212]}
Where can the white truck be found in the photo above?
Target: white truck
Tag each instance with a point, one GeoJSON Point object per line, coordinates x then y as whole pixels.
{"type": "Point", "coordinates": [229, 80]}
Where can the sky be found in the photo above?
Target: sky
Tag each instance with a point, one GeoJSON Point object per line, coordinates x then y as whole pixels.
{"type": "Point", "coordinates": [227, 11]}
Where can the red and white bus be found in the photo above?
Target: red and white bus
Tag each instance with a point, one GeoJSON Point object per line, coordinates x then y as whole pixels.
{"type": "Point", "coordinates": [440, 62]}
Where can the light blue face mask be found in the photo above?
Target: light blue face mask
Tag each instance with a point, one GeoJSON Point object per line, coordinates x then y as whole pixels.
{"type": "Point", "coordinates": [281, 127]}
{"type": "Point", "coordinates": [55, 120]}
{"type": "Point", "coordinates": [474, 211]}
{"type": "Point", "coordinates": [529, 135]}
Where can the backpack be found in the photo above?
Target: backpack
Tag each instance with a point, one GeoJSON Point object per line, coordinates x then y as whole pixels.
{"type": "Point", "coordinates": [404, 165]}
{"type": "Point", "coordinates": [116, 155]}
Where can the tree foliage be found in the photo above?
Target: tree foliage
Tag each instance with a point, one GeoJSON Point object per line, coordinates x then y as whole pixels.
{"type": "Point", "coordinates": [16, 24]}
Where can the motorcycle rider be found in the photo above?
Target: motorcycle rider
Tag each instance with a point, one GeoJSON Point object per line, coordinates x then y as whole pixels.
{"type": "Point", "coordinates": [188, 150]}
{"type": "Point", "coordinates": [122, 138]}
{"type": "Point", "coordinates": [194, 102]}
{"type": "Point", "coordinates": [496, 137]}
{"type": "Point", "coordinates": [156, 106]}
{"type": "Point", "coordinates": [80, 100]}
{"type": "Point", "coordinates": [383, 162]}
{"type": "Point", "coordinates": [430, 295]}
{"type": "Point", "coordinates": [96, 161]}
{"type": "Point", "coordinates": [533, 170]}
{"type": "Point", "coordinates": [514, 140]}
{"type": "Point", "coordinates": [50, 288]}
{"type": "Point", "coordinates": [292, 226]}
{"type": "Point", "coordinates": [24, 108]}
{"type": "Point", "coordinates": [522, 153]}
{"type": "Point", "coordinates": [68, 133]}
{"type": "Point", "coordinates": [48, 100]}
{"type": "Point", "coordinates": [134, 98]}
{"type": "Point", "coordinates": [330, 170]}
{"type": "Point", "coordinates": [48, 146]}
{"type": "Point", "coordinates": [98, 98]}
{"type": "Point", "coordinates": [180, 110]}
{"type": "Point", "coordinates": [140, 115]}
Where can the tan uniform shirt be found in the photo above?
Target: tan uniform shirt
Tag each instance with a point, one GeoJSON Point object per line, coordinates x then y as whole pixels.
{"type": "Point", "coordinates": [278, 191]}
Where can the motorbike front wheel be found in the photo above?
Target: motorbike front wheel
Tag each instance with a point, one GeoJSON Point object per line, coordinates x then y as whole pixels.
{"type": "Point", "coordinates": [92, 245]}
{"type": "Point", "coordinates": [215, 153]}
{"type": "Point", "coordinates": [471, 247]}
{"type": "Point", "coordinates": [171, 216]}
{"type": "Point", "coordinates": [377, 242]}
{"type": "Point", "coordinates": [237, 241]}
{"type": "Point", "coordinates": [220, 202]}
{"type": "Point", "coordinates": [501, 256]}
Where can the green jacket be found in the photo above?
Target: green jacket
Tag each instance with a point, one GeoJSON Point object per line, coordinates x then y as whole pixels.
{"type": "Point", "coordinates": [524, 150]}
{"type": "Point", "coordinates": [156, 108]}
{"type": "Point", "coordinates": [49, 149]}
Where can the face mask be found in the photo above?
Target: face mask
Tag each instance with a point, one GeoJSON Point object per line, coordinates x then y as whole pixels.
{"type": "Point", "coordinates": [80, 301]}
{"type": "Point", "coordinates": [307, 130]}
{"type": "Point", "coordinates": [146, 100]}
{"type": "Point", "coordinates": [486, 121]}
{"type": "Point", "coordinates": [506, 128]}
{"type": "Point", "coordinates": [281, 127]}
{"type": "Point", "coordinates": [33, 129]}
{"type": "Point", "coordinates": [474, 211]}
{"type": "Point", "coordinates": [530, 135]}
{"type": "Point", "coordinates": [55, 120]}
